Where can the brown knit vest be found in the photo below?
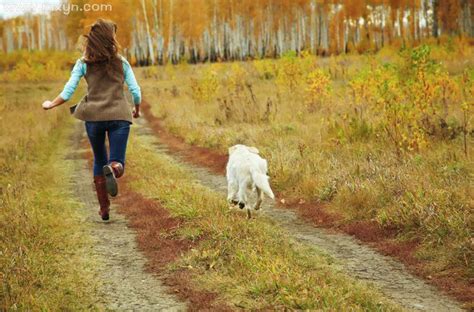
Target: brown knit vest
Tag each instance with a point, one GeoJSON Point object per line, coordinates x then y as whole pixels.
{"type": "Point", "coordinates": [105, 99]}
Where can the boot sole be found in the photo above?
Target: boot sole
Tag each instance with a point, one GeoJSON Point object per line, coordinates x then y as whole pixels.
{"type": "Point", "coordinates": [110, 181]}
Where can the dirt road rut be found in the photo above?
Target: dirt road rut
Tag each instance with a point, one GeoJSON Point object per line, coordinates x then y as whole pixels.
{"type": "Point", "coordinates": [124, 284]}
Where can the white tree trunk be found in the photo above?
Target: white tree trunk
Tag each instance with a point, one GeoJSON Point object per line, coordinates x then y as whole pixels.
{"type": "Point", "coordinates": [9, 35]}
{"type": "Point", "coordinates": [171, 41]}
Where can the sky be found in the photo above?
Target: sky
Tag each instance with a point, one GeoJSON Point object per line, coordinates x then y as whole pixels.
{"type": "Point", "coordinates": [11, 8]}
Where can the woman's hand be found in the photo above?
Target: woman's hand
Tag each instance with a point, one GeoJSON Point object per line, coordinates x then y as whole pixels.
{"type": "Point", "coordinates": [136, 111]}
{"type": "Point", "coordinates": [56, 102]}
{"type": "Point", "coordinates": [47, 105]}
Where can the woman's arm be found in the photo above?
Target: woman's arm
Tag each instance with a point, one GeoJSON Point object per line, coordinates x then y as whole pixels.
{"type": "Point", "coordinates": [132, 86]}
{"type": "Point", "coordinates": [77, 72]}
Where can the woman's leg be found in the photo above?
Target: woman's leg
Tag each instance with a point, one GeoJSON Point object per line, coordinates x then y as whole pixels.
{"type": "Point", "coordinates": [96, 133]}
{"type": "Point", "coordinates": [118, 132]}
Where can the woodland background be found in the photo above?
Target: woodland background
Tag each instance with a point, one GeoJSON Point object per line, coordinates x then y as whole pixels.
{"type": "Point", "coordinates": [159, 31]}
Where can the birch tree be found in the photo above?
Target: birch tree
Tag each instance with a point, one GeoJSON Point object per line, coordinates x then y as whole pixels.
{"type": "Point", "coordinates": [151, 54]}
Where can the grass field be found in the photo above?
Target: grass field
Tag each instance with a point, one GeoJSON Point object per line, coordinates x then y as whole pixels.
{"type": "Point", "coordinates": [43, 261]}
{"type": "Point", "coordinates": [251, 265]}
{"type": "Point", "coordinates": [385, 138]}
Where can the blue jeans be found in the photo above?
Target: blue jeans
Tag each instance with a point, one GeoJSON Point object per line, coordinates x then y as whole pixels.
{"type": "Point", "coordinates": [117, 131]}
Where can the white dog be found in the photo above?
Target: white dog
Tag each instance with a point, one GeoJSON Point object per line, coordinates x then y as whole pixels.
{"type": "Point", "coordinates": [246, 170]}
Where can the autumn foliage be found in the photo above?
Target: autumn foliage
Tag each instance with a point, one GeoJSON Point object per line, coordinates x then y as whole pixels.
{"type": "Point", "coordinates": [159, 31]}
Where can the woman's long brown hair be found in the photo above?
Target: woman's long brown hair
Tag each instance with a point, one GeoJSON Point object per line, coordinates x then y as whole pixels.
{"type": "Point", "coordinates": [101, 47]}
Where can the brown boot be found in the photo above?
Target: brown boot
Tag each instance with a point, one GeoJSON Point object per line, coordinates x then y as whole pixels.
{"type": "Point", "coordinates": [102, 196]}
{"type": "Point", "coordinates": [111, 172]}
{"type": "Point", "coordinates": [117, 168]}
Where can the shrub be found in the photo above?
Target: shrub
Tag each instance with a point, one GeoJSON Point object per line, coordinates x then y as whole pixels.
{"type": "Point", "coordinates": [318, 89]}
{"type": "Point", "coordinates": [292, 70]}
{"type": "Point", "coordinates": [265, 68]}
{"type": "Point", "coordinates": [205, 89]}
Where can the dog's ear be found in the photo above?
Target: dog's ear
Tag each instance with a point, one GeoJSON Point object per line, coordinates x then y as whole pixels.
{"type": "Point", "coordinates": [253, 150]}
{"type": "Point", "coordinates": [232, 149]}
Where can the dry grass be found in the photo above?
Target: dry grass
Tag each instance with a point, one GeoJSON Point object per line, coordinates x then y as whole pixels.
{"type": "Point", "coordinates": [42, 247]}
{"type": "Point", "coordinates": [327, 151]}
{"type": "Point", "coordinates": [39, 66]}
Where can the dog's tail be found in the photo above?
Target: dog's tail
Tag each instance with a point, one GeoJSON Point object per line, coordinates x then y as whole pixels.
{"type": "Point", "coordinates": [261, 181]}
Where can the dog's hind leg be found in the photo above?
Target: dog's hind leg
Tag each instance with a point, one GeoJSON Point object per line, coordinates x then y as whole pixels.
{"type": "Point", "coordinates": [242, 194]}
{"type": "Point", "coordinates": [259, 199]}
{"type": "Point", "coordinates": [232, 189]}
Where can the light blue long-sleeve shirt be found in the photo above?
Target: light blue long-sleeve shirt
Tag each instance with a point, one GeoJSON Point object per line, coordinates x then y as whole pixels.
{"type": "Point", "coordinates": [80, 69]}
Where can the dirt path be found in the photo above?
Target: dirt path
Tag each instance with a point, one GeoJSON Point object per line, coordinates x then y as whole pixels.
{"type": "Point", "coordinates": [356, 260]}
{"type": "Point", "coordinates": [125, 286]}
